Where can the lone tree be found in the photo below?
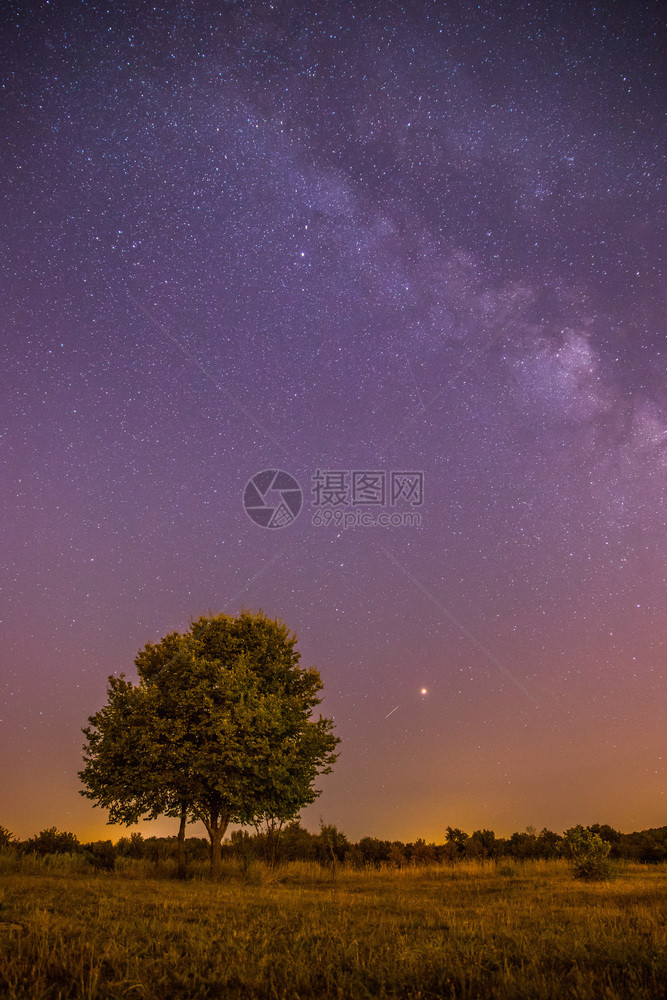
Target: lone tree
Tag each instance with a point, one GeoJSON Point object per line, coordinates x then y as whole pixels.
{"type": "Point", "coordinates": [219, 728]}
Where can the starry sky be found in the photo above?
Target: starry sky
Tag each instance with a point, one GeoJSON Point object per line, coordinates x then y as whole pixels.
{"type": "Point", "coordinates": [326, 237]}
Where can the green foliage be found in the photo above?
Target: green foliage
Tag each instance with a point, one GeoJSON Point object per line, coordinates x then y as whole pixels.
{"type": "Point", "coordinates": [588, 854]}
{"type": "Point", "coordinates": [244, 847]}
{"type": "Point", "coordinates": [120, 754]}
{"type": "Point", "coordinates": [296, 843]}
{"type": "Point", "coordinates": [219, 729]}
{"type": "Point", "coordinates": [53, 841]}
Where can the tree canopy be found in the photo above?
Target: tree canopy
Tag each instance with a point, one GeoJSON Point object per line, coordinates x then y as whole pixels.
{"type": "Point", "coordinates": [219, 728]}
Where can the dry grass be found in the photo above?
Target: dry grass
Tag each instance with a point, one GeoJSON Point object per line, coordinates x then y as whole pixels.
{"type": "Point", "coordinates": [467, 932]}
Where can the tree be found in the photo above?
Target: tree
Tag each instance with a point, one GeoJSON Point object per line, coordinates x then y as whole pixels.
{"type": "Point", "coordinates": [332, 845]}
{"type": "Point", "coordinates": [587, 853]}
{"type": "Point", "coordinates": [53, 841]}
{"type": "Point", "coordinates": [298, 844]}
{"type": "Point", "coordinates": [218, 729]}
{"type": "Point", "coordinates": [422, 853]}
{"type": "Point", "coordinates": [482, 844]}
{"type": "Point", "coordinates": [609, 834]}
{"type": "Point", "coordinates": [396, 857]}
{"type": "Point", "coordinates": [522, 845]}
{"type": "Point", "coordinates": [548, 843]}
{"type": "Point", "coordinates": [374, 851]}
{"type": "Point", "coordinates": [457, 840]}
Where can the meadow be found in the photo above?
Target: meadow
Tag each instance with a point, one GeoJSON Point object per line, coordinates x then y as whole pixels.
{"type": "Point", "coordinates": [472, 930]}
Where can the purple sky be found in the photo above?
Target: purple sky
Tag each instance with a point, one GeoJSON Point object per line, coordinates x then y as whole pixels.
{"type": "Point", "coordinates": [338, 237]}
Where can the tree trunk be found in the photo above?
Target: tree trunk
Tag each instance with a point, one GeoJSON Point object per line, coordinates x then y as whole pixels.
{"type": "Point", "coordinates": [216, 826]}
{"type": "Point", "coordinates": [275, 832]}
{"type": "Point", "coordinates": [216, 853]}
{"type": "Point", "coordinates": [180, 857]}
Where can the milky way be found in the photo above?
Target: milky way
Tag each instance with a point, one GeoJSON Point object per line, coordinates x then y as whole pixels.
{"type": "Point", "coordinates": [336, 237]}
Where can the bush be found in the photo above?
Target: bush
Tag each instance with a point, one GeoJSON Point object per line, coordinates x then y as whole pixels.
{"type": "Point", "coordinates": [396, 857]}
{"type": "Point", "coordinates": [588, 854]}
{"type": "Point", "coordinates": [6, 838]}
{"type": "Point", "coordinates": [331, 845]}
{"type": "Point", "coordinates": [375, 852]}
{"type": "Point", "coordinates": [100, 855]}
{"type": "Point", "coordinates": [355, 857]}
{"type": "Point", "coordinates": [53, 841]}
{"type": "Point", "coordinates": [131, 847]}
{"type": "Point", "coordinates": [422, 853]}
{"type": "Point", "coordinates": [244, 848]}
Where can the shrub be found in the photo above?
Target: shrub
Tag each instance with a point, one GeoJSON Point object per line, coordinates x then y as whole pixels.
{"type": "Point", "coordinates": [53, 841]}
{"type": "Point", "coordinates": [331, 845]}
{"type": "Point", "coordinates": [423, 853]}
{"type": "Point", "coordinates": [396, 857]}
{"type": "Point", "coordinates": [101, 855]}
{"type": "Point", "coordinates": [131, 847]}
{"type": "Point", "coordinates": [375, 851]}
{"type": "Point", "coordinates": [244, 848]}
{"type": "Point", "coordinates": [354, 857]}
{"type": "Point", "coordinates": [588, 854]}
{"type": "Point", "coordinates": [6, 838]}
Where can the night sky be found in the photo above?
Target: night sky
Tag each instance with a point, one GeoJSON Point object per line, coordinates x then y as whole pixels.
{"type": "Point", "coordinates": [334, 238]}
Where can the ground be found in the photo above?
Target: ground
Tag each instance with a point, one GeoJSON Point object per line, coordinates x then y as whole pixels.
{"type": "Point", "coordinates": [473, 931]}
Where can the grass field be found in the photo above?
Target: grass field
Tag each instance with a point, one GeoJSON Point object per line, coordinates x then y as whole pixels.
{"type": "Point", "coordinates": [474, 931]}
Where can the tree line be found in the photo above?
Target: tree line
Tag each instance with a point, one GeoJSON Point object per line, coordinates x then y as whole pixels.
{"type": "Point", "coordinates": [330, 847]}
